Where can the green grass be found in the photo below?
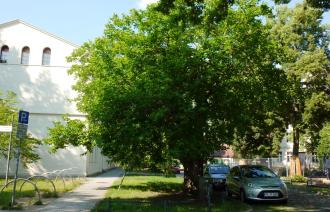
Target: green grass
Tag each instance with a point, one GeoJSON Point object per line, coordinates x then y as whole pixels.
{"type": "Point", "coordinates": [154, 193]}
{"type": "Point", "coordinates": [310, 189]}
{"type": "Point", "coordinates": [28, 196]}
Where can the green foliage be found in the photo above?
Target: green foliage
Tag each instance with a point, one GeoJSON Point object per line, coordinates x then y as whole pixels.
{"type": "Point", "coordinates": [298, 179]}
{"type": "Point", "coordinates": [322, 4]}
{"type": "Point", "coordinates": [158, 89]}
{"type": "Point", "coordinates": [304, 42]}
{"type": "Point", "coordinates": [323, 148]}
{"type": "Point", "coordinates": [325, 4]}
{"type": "Point", "coordinates": [8, 114]}
{"type": "Point", "coordinates": [196, 11]}
{"type": "Point", "coordinates": [72, 132]}
{"type": "Point", "coordinates": [263, 138]}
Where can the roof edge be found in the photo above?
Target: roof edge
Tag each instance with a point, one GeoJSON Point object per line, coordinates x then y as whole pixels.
{"type": "Point", "coordinates": [18, 21]}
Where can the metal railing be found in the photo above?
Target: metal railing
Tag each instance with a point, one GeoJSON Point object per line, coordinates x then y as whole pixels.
{"type": "Point", "coordinates": [51, 177]}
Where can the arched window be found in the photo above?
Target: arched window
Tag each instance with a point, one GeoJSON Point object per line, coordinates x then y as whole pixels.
{"type": "Point", "coordinates": [4, 54]}
{"type": "Point", "coordinates": [25, 55]}
{"type": "Point", "coordinates": [46, 56]}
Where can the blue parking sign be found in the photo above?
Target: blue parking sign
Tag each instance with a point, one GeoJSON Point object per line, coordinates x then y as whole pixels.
{"type": "Point", "coordinates": [23, 117]}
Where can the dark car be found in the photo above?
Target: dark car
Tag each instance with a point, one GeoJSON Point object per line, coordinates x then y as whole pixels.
{"type": "Point", "coordinates": [256, 182]}
{"type": "Point", "coordinates": [217, 174]}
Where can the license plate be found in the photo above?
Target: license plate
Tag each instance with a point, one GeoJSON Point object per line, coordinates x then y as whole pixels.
{"type": "Point", "coordinates": [271, 194]}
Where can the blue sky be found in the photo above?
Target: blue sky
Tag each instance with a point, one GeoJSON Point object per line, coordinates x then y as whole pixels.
{"type": "Point", "coordinates": [74, 20]}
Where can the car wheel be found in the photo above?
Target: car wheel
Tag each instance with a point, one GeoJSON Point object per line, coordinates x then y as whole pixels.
{"type": "Point", "coordinates": [228, 193]}
{"type": "Point", "coordinates": [284, 201]}
{"type": "Point", "coordinates": [242, 196]}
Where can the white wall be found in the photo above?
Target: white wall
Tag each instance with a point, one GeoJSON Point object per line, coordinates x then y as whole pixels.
{"type": "Point", "coordinates": [44, 91]}
{"type": "Point", "coordinates": [16, 36]}
{"type": "Point", "coordinates": [70, 159]}
{"type": "Point", "coordinates": [41, 89]}
{"type": "Point", "coordinates": [97, 163]}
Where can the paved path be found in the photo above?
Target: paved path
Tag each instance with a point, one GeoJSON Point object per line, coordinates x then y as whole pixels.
{"type": "Point", "coordinates": [84, 197]}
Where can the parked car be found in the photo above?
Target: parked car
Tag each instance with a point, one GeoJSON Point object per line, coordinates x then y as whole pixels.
{"type": "Point", "coordinates": [175, 169]}
{"type": "Point", "coordinates": [218, 174]}
{"type": "Point", "coordinates": [255, 182]}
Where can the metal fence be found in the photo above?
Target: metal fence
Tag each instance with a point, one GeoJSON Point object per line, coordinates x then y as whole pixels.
{"type": "Point", "coordinates": [281, 167]}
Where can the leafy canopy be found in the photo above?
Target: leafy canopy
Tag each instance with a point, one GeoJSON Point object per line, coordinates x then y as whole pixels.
{"type": "Point", "coordinates": [156, 87]}
{"type": "Point", "coordinates": [305, 60]}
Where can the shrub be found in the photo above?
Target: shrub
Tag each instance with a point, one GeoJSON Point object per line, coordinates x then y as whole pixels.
{"type": "Point", "coordinates": [298, 179]}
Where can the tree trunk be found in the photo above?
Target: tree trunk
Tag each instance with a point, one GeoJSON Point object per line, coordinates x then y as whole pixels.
{"type": "Point", "coordinates": [193, 169]}
{"type": "Point", "coordinates": [295, 164]}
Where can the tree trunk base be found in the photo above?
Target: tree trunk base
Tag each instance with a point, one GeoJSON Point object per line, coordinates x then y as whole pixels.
{"type": "Point", "coordinates": [295, 166]}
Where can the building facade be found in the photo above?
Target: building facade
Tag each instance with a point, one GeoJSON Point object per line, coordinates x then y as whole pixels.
{"type": "Point", "coordinates": [33, 65]}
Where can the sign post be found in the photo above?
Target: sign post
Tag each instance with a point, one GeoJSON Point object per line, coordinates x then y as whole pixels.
{"type": "Point", "coordinates": [9, 148]}
{"type": "Point", "coordinates": [23, 120]}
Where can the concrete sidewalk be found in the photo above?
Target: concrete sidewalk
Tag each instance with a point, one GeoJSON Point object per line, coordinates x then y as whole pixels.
{"type": "Point", "coordinates": [84, 197]}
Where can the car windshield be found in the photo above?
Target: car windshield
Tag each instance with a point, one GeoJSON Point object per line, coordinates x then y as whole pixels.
{"type": "Point", "coordinates": [219, 170]}
{"type": "Point", "coordinates": [257, 172]}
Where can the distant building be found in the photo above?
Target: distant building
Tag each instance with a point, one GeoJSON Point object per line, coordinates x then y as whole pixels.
{"type": "Point", "coordinates": [33, 65]}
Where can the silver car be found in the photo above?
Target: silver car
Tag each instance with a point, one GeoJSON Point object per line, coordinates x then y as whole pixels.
{"type": "Point", "coordinates": [255, 182]}
{"type": "Point", "coordinates": [217, 173]}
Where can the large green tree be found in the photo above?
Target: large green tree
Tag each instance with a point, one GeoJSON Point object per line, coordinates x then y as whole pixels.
{"type": "Point", "coordinates": [305, 60]}
{"type": "Point", "coordinates": [158, 85]}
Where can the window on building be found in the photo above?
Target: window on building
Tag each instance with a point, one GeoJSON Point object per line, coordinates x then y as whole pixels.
{"type": "Point", "coordinates": [314, 158]}
{"type": "Point", "coordinates": [288, 156]}
{"type": "Point", "coordinates": [280, 156]}
{"type": "Point", "coordinates": [46, 56]}
{"type": "Point", "coordinates": [4, 54]}
{"type": "Point", "coordinates": [25, 55]}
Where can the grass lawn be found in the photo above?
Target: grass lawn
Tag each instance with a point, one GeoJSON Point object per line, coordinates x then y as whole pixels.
{"type": "Point", "coordinates": [155, 193]}
{"type": "Point", "coordinates": [28, 196]}
{"type": "Point", "coordinates": [310, 189]}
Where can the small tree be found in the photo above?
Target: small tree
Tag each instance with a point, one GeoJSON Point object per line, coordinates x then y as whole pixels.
{"type": "Point", "coordinates": [8, 110]}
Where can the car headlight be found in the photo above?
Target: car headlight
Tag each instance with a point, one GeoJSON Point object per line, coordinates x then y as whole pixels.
{"type": "Point", "coordinates": [283, 185]}
{"type": "Point", "coordinates": [252, 185]}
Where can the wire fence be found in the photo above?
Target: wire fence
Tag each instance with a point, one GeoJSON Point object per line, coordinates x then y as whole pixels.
{"type": "Point", "coordinates": [281, 167]}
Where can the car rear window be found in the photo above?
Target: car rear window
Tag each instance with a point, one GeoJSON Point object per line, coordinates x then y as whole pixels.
{"type": "Point", "coordinates": [257, 172]}
{"type": "Point", "coordinates": [219, 170]}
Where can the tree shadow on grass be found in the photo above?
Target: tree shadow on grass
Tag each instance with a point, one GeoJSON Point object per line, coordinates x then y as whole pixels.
{"type": "Point", "coordinates": [168, 187]}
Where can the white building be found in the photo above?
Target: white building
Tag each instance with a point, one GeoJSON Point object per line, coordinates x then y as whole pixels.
{"type": "Point", "coordinates": [33, 65]}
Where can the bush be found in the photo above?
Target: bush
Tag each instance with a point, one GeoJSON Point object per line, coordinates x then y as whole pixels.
{"type": "Point", "coordinates": [298, 179]}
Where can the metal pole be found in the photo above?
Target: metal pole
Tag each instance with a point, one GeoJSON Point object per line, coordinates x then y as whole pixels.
{"type": "Point", "coordinates": [17, 163]}
{"type": "Point", "coordinates": [9, 148]}
{"type": "Point", "coordinates": [209, 196]}
{"type": "Point", "coordinates": [287, 169]}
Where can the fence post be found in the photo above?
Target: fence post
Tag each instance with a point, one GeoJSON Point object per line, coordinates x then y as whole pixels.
{"type": "Point", "coordinates": [165, 205]}
{"type": "Point", "coordinates": [109, 205]}
{"type": "Point", "coordinates": [287, 169]}
{"type": "Point", "coordinates": [209, 187]}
